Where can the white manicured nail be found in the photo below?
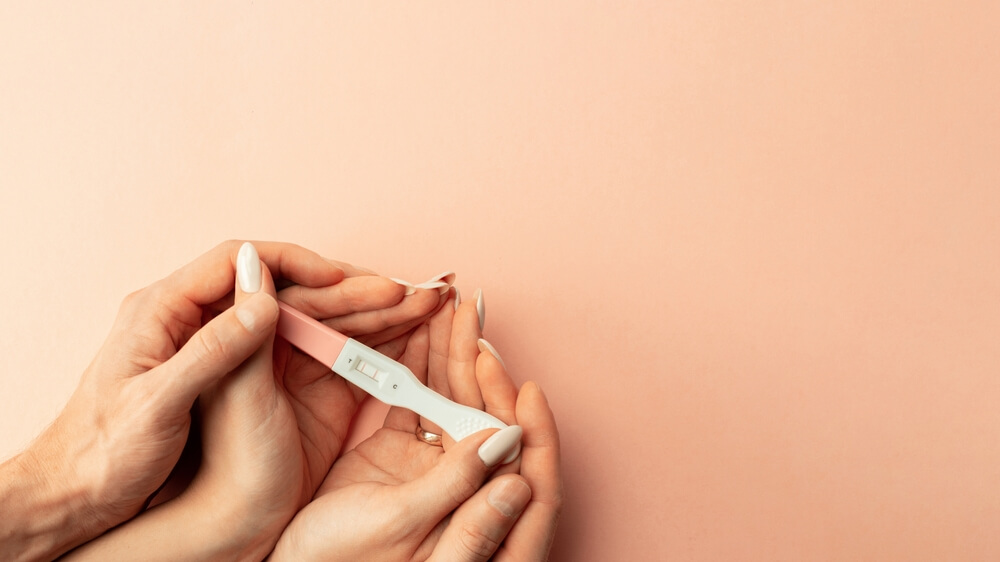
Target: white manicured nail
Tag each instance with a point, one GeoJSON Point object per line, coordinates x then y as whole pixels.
{"type": "Point", "coordinates": [248, 268]}
{"type": "Point", "coordinates": [480, 308]}
{"type": "Point", "coordinates": [440, 286]}
{"type": "Point", "coordinates": [485, 346]}
{"type": "Point", "coordinates": [458, 298]}
{"type": "Point", "coordinates": [500, 445]}
{"type": "Point", "coordinates": [410, 289]}
{"type": "Point", "coordinates": [446, 277]}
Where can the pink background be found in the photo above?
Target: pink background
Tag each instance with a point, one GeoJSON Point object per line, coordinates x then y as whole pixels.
{"type": "Point", "coordinates": [750, 251]}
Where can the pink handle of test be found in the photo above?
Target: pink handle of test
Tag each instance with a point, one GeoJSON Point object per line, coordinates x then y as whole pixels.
{"type": "Point", "coordinates": [311, 336]}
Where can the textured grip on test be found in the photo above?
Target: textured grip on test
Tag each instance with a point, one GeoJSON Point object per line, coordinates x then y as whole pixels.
{"type": "Point", "coordinates": [468, 426]}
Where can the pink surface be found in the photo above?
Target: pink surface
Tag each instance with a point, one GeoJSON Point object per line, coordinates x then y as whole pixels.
{"type": "Point", "coordinates": [749, 251]}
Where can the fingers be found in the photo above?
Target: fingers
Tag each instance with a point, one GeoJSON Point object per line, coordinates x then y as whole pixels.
{"type": "Point", "coordinates": [252, 276]}
{"type": "Point", "coordinates": [394, 348]}
{"type": "Point", "coordinates": [245, 396]}
{"type": "Point", "coordinates": [531, 537]}
{"type": "Point", "coordinates": [437, 358]}
{"type": "Point", "coordinates": [351, 270]}
{"type": "Point", "coordinates": [297, 264]}
{"type": "Point", "coordinates": [211, 276]}
{"type": "Point", "coordinates": [541, 443]}
{"type": "Point", "coordinates": [462, 355]}
{"type": "Point", "coordinates": [479, 526]}
{"type": "Point", "coordinates": [353, 294]}
{"type": "Point", "coordinates": [218, 347]}
{"type": "Point", "coordinates": [372, 309]}
{"type": "Point", "coordinates": [498, 390]}
{"type": "Point", "coordinates": [458, 474]}
{"type": "Point", "coordinates": [378, 326]}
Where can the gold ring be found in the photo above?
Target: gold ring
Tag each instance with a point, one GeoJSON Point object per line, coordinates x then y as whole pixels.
{"type": "Point", "coordinates": [428, 437]}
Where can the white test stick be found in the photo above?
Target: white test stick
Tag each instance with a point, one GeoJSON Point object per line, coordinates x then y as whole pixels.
{"type": "Point", "coordinates": [389, 381]}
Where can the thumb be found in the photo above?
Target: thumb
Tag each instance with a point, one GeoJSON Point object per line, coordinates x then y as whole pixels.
{"type": "Point", "coordinates": [459, 473]}
{"type": "Point", "coordinates": [225, 342]}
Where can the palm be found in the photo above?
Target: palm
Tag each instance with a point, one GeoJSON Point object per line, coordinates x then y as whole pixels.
{"type": "Point", "coordinates": [299, 418]}
{"type": "Point", "coordinates": [321, 405]}
{"type": "Point", "coordinates": [395, 497]}
{"type": "Point", "coordinates": [365, 483]}
{"type": "Point", "coordinates": [388, 457]}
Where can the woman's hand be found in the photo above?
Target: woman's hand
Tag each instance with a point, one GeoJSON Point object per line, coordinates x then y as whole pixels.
{"type": "Point", "coordinates": [269, 431]}
{"type": "Point", "coordinates": [368, 308]}
{"type": "Point", "coordinates": [125, 425]}
{"type": "Point", "coordinates": [531, 537]}
{"type": "Point", "coordinates": [395, 497]}
{"type": "Point", "coordinates": [272, 429]}
{"type": "Point", "coordinates": [375, 310]}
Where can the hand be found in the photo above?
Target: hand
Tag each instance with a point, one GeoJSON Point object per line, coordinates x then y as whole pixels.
{"type": "Point", "coordinates": [465, 372]}
{"type": "Point", "coordinates": [377, 311]}
{"type": "Point", "coordinates": [126, 424]}
{"type": "Point", "coordinates": [270, 429]}
{"type": "Point", "coordinates": [395, 497]}
{"type": "Point", "coordinates": [370, 309]}
{"type": "Point", "coordinates": [532, 535]}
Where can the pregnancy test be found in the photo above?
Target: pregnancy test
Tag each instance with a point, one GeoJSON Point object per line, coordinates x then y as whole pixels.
{"type": "Point", "coordinates": [387, 380]}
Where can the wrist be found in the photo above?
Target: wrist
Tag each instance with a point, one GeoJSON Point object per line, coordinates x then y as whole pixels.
{"type": "Point", "coordinates": [46, 511]}
{"type": "Point", "coordinates": [240, 530]}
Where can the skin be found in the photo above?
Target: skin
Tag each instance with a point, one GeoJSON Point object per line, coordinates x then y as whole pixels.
{"type": "Point", "coordinates": [124, 428]}
{"type": "Point", "coordinates": [369, 308]}
{"type": "Point", "coordinates": [397, 498]}
{"type": "Point", "coordinates": [272, 422]}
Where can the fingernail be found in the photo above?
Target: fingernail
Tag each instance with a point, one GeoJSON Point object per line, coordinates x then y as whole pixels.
{"type": "Point", "coordinates": [487, 346]}
{"type": "Point", "coordinates": [446, 277]}
{"type": "Point", "coordinates": [538, 388]}
{"type": "Point", "coordinates": [458, 298]}
{"type": "Point", "coordinates": [510, 496]}
{"type": "Point", "coordinates": [480, 308]}
{"type": "Point", "coordinates": [248, 268]}
{"type": "Point", "coordinates": [441, 286]}
{"type": "Point", "coordinates": [257, 311]}
{"type": "Point", "coordinates": [410, 289]}
{"type": "Point", "coordinates": [499, 445]}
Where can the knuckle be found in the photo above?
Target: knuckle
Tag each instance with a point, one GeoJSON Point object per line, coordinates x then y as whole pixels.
{"type": "Point", "coordinates": [230, 245]}
{"type": "Point", "coordinates": [559, 499]}
{"type": "Point", "coordinates": [475, 544]}
{"type": "Point", "coordinates": [462, 485]}
{"type": "Point", "coordinates": [554, 497]}
{"type": "Point", "coordinates": [294, 296]}
{"type": "Point", "coordinates": [157, 292]}
{"type": "Point", "coordinates": [132, 299]}
{"type": "Point", "coordinates": [209, 347]}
